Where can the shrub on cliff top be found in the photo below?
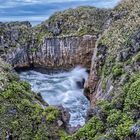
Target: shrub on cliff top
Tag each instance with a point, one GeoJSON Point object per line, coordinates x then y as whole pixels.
{"type": "Point", "coordinates": [123, 129]}
{"type": "Point", "coordinates": [76, 22]}
{"type": "Point", "coordinates": [117, 70]}
{"type": "Point", "coordinates": [51, 113]}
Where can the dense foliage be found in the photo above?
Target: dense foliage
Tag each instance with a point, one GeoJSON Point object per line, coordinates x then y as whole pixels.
{"type": "Point", "coordinates": [23, 114]}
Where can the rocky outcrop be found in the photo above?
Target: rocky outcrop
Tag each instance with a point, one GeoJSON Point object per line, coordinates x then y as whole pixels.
{"type": "Point", "coordinates": [77, 22]}
{"type": "Point", "coordinates": [14, 36]}
{"type": "Point", "coordinates": [57, 52]}
{"type": "Point", "coordinates": [19, 46]}
{"type": "Point", "coordinates": [115, 53]}
{"type": "Point", "coordinates": [93, 89]}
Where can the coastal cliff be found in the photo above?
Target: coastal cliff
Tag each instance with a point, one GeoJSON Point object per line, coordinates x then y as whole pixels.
{"type": "Point", "coordinates": [51, 44]}
{"type": "Point", "coordinates": [113, 84]}
{"type": "Point", "coordinates": [23, 113]}
{"type": "Point", "coordinates": [105, 41]}
{"type": "Point", "coordinates": [54, 53]}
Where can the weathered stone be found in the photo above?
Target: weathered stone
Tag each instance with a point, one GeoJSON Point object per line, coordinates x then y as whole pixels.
{"type": "Point", "coordinates": [72, 130]}
{"type": "Point", "coordinates": [60, 123]}
{"type": "Point", "coordinates": [65, 116]}
{"type": "Point", "coordinates": [96, 111]}
{"type": "Point", "coordinates": [58, 52]}
{"type": "Point", "coordinates": [80, 84]}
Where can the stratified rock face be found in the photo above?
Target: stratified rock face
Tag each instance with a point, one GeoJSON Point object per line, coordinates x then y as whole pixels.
{"type": "Point", "coordinates": [57, 52]}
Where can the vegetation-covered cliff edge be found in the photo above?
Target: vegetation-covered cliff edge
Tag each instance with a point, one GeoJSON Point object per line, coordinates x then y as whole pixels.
{"type": "Point", "coordinates": [113, 86]}
{"type": "Point", "coordinates": [24, 114]}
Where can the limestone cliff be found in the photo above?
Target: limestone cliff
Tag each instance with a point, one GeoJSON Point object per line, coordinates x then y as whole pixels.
{"type": "Point", "coordinates": [52, 53]}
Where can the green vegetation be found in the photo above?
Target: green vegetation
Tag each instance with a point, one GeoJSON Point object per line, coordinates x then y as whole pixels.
{"type": "Point", "coordinates": [93, 127]}
{"type": "Point", "coordinates": [132, 99]}
{"type": "Point", "coordinates": [51, 113]}
{"type": "Point", "coordinates": [117, 70]}
{"type": "Point", "coordinates": [22, 114]}
{"type": "Point", "coordinates": [73, 22]}
{"type": "Point", "coordinates": [118, 111]}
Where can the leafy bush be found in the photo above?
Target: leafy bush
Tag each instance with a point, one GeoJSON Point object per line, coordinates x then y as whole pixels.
{"type": "Point", "coordinates": [123, 129]}
{"type": "Point", "coordinates": [51, 113]}
{"type": "Point", "coordinates": [132, 100]}
{"type": "Point", "coordinates": [22, 114]}
{"type": "Point", "coordinates": [114, 118]}
{"type": "Point", "coordinates": [117, 70]}
{"type": "Point", "coordinates": [88, 132]}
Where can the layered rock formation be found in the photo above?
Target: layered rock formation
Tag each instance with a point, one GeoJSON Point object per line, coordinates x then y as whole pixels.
{"type": "Point", "coordinates": [52, 53]}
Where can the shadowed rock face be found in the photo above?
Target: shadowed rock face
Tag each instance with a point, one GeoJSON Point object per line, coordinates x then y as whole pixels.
{"type": "Point", "coordinates": [52, 53]}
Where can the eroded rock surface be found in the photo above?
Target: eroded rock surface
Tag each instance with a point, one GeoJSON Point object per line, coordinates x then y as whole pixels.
{"type": "Point", "coordinates": [57, 52]}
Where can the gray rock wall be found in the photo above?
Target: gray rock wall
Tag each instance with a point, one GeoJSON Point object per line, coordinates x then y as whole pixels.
{"type": "Point", "coordinates": [52, 53]}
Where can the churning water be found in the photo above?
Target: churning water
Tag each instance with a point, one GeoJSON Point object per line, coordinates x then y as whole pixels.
{"type": "Point", "coordinates": [61, 89]}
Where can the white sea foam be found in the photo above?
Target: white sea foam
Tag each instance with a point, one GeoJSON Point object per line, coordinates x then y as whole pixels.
{"type": "Point", "coordinates": [61, 89]}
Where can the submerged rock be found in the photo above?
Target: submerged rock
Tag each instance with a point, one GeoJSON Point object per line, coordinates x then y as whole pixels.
{"type": "Point", "coordinates": [80, 84]}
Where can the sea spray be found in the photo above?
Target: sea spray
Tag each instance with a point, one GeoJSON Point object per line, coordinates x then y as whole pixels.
{"type": "Point", "coordinates": [61, 89]}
